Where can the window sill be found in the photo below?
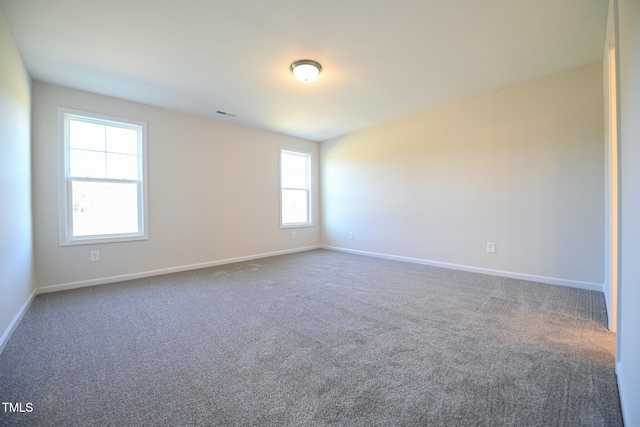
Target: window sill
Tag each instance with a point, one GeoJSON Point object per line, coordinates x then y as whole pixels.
{"type": "Point", "coordinates": [302, 225]}
{"type": "Point", "coordinates": [97, 240]}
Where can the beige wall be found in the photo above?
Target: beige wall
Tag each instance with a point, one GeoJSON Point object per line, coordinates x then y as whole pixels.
{"type": "Point", "coordinates": [628, 368]}
{"type": "Point", "coordinates": [16, 239]}
{"type": "Point", "coordinates": [522, 167]}
{"type": "Point", "coordinates": [213, 192]}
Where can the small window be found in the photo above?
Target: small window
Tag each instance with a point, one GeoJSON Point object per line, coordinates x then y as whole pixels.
{"type": "Point", "coordinates": [102, 178]}
{"type": "Point", "coordinates": [295, 188]}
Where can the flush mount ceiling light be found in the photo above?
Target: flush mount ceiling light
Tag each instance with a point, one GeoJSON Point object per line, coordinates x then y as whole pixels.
{"type": "Point", "coordinates": [306, 70]}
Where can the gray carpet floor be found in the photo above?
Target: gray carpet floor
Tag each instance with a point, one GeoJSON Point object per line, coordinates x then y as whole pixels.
{"type": "Point", "coordinates": [312, 339]}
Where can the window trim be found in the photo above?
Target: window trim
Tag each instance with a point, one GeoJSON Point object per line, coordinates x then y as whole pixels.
{"type": "Point", "coordinates": [65, 218]}
{"type": "Point", "coordinates": [309, 157]}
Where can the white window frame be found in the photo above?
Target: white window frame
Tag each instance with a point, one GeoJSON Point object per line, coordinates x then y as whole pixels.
{"type": "Point", "coordinates": [65, 211]}
{"type": "Point", "coordinates": [309, 157]}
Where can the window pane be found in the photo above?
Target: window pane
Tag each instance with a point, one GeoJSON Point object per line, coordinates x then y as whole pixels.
{"type": "Point", "coordinates": [122, 166]}
{"type": "Point", "coordinates": [294, 171]}
{"type": "Point", "coordinates": [295, 206]}
{"type": "Point", "coordinates": [122, 140]}
{"type": "Point", "coordinates": [88, 136]}
{"type": "Point", "coordinates": [104, 208]}
{"type": "Point", "coordinates": [86, 164]}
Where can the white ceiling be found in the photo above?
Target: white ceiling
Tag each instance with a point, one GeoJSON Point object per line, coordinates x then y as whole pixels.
{"type": "Point", "coordinates": [381, 59]}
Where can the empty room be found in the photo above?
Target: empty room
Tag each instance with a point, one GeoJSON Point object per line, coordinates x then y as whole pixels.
{"type": "Point", "coordinates": [320, 213]}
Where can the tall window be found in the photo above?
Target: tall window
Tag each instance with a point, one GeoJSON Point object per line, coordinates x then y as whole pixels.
{"type": "Point", "coordinates": [102, 185]}
{"type": "Point", "coordinates": [295, 188]}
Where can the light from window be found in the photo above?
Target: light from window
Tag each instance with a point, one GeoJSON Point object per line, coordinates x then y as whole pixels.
{"type": "Point", "coordinates": [295, 177]}
{"type": "Point", "coordinates": [102, 185]}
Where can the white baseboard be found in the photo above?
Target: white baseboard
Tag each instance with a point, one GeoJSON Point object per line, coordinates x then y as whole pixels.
{"type": "Point", "coordinates": [140, 275]}
{"type": "Point", "coordinates": [624, 400]}
{"type": "Point", "coordinates": [15, 322]}
{"type": "Point", "coordinates": [529, 277]}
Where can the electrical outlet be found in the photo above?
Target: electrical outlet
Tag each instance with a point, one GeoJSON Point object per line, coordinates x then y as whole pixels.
{"type": "Point", "coordinates": [491, 247]}
{"type": "Point", "coordinates": [95, 256]}
{"type": "Point", "coordinates": [351, 235]}
{"type": "Point", "coordinates": [293, 235]}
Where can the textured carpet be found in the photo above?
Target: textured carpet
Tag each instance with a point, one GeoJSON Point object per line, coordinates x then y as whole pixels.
{"type": "Point", "coordinates": [311, 339]}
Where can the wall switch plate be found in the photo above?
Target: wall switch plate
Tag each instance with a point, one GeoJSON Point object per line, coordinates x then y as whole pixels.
{"type": "Point", "coordinates": [293, 235]}
{"type": "Point", "coordinates": [351, 235]}
{"type": "Point", "coordinates": [95, 256]}
{"type": "Point", "coordinates": [491, 247]}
